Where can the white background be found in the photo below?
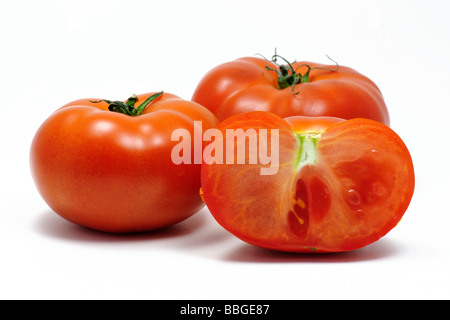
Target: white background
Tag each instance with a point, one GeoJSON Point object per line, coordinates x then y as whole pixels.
{"type": "Point", "coordinates": [53, 52]}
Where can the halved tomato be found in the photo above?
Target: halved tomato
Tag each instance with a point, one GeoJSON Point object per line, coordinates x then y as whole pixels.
{"type": "Point", "coordinates": [339, 184]}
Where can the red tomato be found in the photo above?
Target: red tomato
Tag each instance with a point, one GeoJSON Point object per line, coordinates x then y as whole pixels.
{"type": "Point", "coordinates": [340, 184]}
{"type": "Point", "coordinates": [112, 171]}
{"type": "Point", "coordinates": [297, 89]}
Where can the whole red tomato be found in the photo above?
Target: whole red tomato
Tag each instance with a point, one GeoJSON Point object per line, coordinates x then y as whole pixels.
{"type": "Point", "coordinates": [107, 165]}
{"type": "Point", "coordinates": [290, 89]}
{"type": "Point", "coordinates": [338, 185]}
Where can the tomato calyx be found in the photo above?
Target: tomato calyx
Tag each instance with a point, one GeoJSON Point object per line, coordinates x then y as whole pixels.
{"type": "Point", "coordinates": [288, 76]}
{"type": "Point", "coordinates": [128, 107]}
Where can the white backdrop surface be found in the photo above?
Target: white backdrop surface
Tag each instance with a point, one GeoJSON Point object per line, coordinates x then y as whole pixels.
{"type": "Point", "coordinates": [54, 52]}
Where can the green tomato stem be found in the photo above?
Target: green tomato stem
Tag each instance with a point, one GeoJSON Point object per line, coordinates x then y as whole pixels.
{"type": "Point", "coordinates": [287, 76]}
{"type": "Point", "coordinates": [128, 107]}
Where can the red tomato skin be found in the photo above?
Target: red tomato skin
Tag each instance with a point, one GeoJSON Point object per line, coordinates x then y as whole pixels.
{"type": "Point", "coordinates": [326, 218]}
{"type": "Point", "coordinates": [244, 85]}
{"type": "Point", "coordinates": [112, 172]}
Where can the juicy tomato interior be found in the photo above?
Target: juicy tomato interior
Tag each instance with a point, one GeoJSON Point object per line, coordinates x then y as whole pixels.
{"type": "Point", "coordinates": [335, 190]}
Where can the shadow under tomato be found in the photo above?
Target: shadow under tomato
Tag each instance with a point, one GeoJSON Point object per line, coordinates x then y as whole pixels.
{"type": "Point", "coordinates": [52, 225]}
{"type": "Point", "coordinates": [381, 249]}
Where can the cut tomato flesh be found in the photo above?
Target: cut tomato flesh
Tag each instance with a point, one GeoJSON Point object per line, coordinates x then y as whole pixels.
{"type": "Point", "coordinates": [335, 190]}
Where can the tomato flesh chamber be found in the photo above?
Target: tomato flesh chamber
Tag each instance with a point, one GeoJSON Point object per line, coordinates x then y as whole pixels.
{"type": "Point", "coordinates": [366, 183]}
{"type": "Point", "coordinates": [334, 198]}
{"type": "Point", "coordinates": [309, 196]}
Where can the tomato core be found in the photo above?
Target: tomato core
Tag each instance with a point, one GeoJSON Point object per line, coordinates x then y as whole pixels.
{"type": "Point", "coordinates": [307, 153]}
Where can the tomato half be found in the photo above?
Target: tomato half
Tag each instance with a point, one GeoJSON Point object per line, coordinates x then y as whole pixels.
{"type": "Point", "coordinates": [339, 184]}
{"type": "Point", "coordinates": [112, 171]}
{"type": "Point", "coordinates": [291, 89]}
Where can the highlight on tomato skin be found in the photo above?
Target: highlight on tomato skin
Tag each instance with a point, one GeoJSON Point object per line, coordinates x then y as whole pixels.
{"type": "Point", "coordinates": [340, 185]}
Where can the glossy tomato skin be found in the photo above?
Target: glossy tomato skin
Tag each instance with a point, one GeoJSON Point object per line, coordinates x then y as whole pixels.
{"type": "Point", "coordinates": [245, 85]}
{"type": "Point", "coordinates": [352, 187]}
{"type": "Point", "coordinates": [112, 172]}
